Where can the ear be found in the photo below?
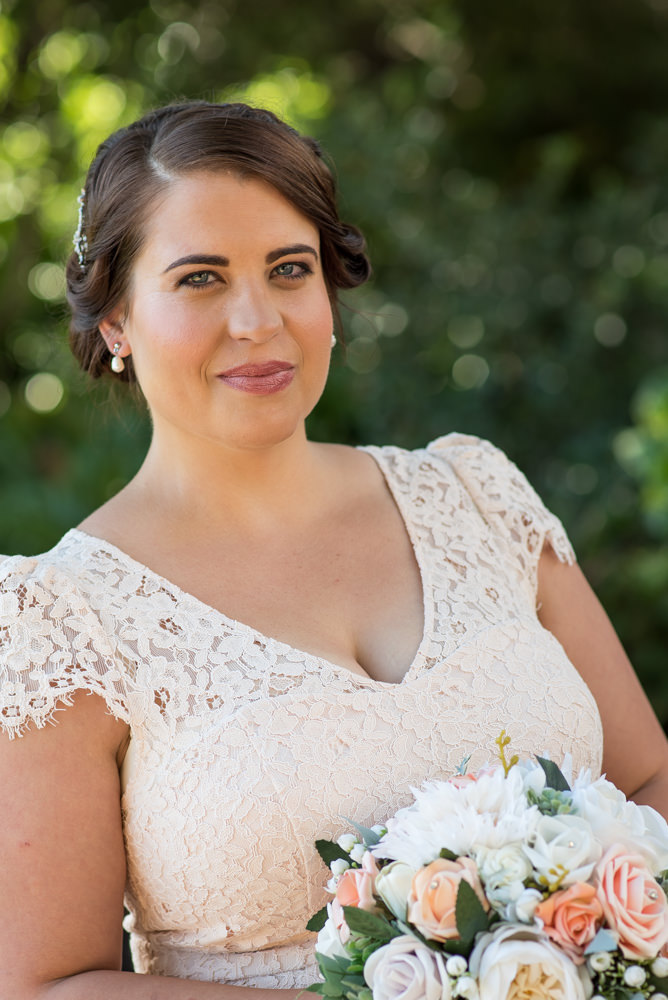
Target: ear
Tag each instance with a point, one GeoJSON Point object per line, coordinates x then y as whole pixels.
{"type": "Point", "coordinates": [111, 330]}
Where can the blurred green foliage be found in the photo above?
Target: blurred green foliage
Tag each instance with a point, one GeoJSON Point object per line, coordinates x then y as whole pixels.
{"type": "Point", "coordinates": [507, 163]}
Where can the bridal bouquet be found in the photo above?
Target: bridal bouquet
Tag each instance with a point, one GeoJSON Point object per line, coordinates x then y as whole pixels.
{"type": "Point", "coordinates": [508, 884]}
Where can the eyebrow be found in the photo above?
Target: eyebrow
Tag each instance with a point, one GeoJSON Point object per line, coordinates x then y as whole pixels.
{"type": "Point", "coordinates": [217, 261]}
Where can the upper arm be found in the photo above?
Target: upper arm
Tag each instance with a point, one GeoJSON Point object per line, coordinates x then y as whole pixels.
{"type": "Point", "coordinates": [63, 863]}
{"type": "Point", "coordinates": [634, 747]}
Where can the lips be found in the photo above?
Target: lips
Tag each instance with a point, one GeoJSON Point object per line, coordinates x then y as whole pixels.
{"type": "Point", "coordinates": [260, 379]}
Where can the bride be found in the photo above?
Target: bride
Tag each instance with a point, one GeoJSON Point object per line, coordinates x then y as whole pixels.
{"type": "Point", "coordinates": [259, 635]}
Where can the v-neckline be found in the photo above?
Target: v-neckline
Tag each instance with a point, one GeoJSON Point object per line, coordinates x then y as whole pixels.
{"type": "Point", "coordinates": [207, 610]}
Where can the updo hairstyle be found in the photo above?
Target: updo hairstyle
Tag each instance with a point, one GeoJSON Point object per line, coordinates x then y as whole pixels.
{"type": "Point", "coordinates": [136, 163]}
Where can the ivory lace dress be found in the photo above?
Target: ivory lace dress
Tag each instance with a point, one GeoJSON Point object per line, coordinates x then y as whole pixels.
{"type": "Point", "coordinates": [245, 750]}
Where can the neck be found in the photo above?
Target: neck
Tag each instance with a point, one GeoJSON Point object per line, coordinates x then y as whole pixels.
{"type": "Point", "coordinates": [211, 484]}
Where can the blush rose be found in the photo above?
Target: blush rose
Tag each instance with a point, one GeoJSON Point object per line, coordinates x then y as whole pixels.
{"type": "Point", "coordinates": [433, 896]}
{"type": "Point", "coordinates": [633, 902]}
{"type": "Point", "coordinates": [571, 918]}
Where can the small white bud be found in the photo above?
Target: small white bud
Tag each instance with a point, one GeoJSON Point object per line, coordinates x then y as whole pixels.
{"type": "Point", "coordinates": [659, 968]}
{"type": "Point", "coordinates": [357, 853]}
{"type": "Point", "coordinates": [634, 976]}
{"type": "Point", "coordinates": [380, 830]}
{"type": "Point", "coordinates": [466, 987]}
{"type": "Point", "coordinates": [346, 842]}
{"type": "Point", "coordinates": [599, 996]}
{"type": "Point", "coordinates": [600, 961]}
{"type": "Point", "coordinates": [339, 866]}
{"type": "Point", "coordinates": [331, 885]}
{"type": "Point", "coordinates": [659, 996]}
{"type": "Point", "coordinates": [456, 966]}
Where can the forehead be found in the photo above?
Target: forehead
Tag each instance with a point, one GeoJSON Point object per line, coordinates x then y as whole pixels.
{"type": "Point", "coordinates": [204, 210]}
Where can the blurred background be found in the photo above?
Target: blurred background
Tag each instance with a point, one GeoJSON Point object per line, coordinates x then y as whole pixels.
{"type": "Point", "coordinates": [509, 165]}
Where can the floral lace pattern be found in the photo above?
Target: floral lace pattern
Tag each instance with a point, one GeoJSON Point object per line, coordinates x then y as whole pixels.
{"type": "Point", "coordinates": [244, 750]}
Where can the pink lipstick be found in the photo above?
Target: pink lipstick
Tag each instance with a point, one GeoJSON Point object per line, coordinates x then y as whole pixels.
{"type": "Point", "coordinates": [259, 379]}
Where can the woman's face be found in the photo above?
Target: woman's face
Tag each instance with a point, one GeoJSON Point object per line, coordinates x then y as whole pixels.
{"type": "Point", "coordinates": [229, 321]}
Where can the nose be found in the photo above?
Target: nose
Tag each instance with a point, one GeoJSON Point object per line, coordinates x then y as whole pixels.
{"type": "Point", "coordinates": [251, 314]}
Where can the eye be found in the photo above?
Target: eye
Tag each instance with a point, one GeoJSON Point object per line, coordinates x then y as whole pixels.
{"type": "Point", "coordinates": [198, 279]}
{"type": "Point", "coordinates": [293, 270]}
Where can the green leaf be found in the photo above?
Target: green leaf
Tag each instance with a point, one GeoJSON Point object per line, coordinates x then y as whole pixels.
{"type": "Point", "coordinates": [447, 854]}
{"type": "Point", "coordinates": [318, 920]}
{"type": "Point", "coordinates": [330, 851]}
{"type": "Point", "coordinates": [313, 988]}
{"type": "Point", "coordinates": [370, 837]}
{"type": "Point", "coordinates": [469, 912]}
{"type": "Point", "coordinates": [336, 964]}
{"type": "Point", "coordinates": [369, 924]}
{"type": "Point", "coordinates": [553, 775]}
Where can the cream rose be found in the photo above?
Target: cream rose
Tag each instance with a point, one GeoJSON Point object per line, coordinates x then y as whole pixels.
{"type": "Point", "coordinates": [633, 902]}
{"type": "Point", "coordinates": [433, 896]}
{"type": "Point", "coordinates": [329, 941]}
{"type": "Point", "coordinates": [405, 969]}
{"type": "Point", "coordinates": [393, 885]}
{"type": "Point", "coordinates": [517, 963]}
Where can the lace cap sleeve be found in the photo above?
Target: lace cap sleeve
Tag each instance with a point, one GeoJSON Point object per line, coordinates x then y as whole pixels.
{"type": "Point", "coordinates": [505, 499]}
{"type": "Point", "coordinates": [51, 645]}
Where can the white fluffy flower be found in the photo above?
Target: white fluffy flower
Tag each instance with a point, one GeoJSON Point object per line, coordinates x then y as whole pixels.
{"type": "Point", "coordinates": [407, 969]}
{"type": "Point", "coordinates": [614, 820]}
{"type": "Point", "coordinates": [514, 962]}
{"type": "Point", "coordinates": [563, 844]}
{"type": "Point", "coordinates": [634, 976]}
{"type": "Point", "coordinates": [502, 871]}
{"type": "Point", "coordinates": [393, 885]}
{"type": "Point", "coordinates": [489, 812]}
{"type": "Point", "coordinates": [329, 942]}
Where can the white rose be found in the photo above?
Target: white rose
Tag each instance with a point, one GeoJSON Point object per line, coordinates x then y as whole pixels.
{"type": "Point", "coordinates": [329, 942]}
{"type": "Point", "coordinates": [616, 820]}
{"type": "Point", "coordinates": [634, 976]}
{"type": "Point", "coordinates": [347, 841]}
{"type": "Point", "coordinates": [393, 885]}
{"type": "Point", "coordinates": [358, 852]}
{"type": "Point", "coordinates": [467, 988]}
{"type": "Point", "coordinates": [659, 967]}
{"type": "Point", "coordinates": [600, 961]}
{"type": "Point", "coordinates": [502, 871]}
{"type": "Point", "coordinates": [514, 961]}
{"type": "Point", "coordinates": [405, 968]}
{"type": "Point", "coordinates": [456, 966]}
{"type": "Point", "coordinates": [524, 907]}
{"type": "Point", "coordinates": [563, 844]}
{"type": "Point", "coordinates": [339, 866]}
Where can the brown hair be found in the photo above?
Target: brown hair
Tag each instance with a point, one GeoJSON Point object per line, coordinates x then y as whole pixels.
{"type": "Point", "coordinates": [134, 164]}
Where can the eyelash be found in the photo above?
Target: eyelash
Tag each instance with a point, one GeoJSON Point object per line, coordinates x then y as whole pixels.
{"type": "Point", "coordinates": [187, 282]}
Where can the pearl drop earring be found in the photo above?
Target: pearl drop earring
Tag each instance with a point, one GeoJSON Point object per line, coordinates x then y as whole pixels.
{"type": "Point", "coordinates": [117, 363]}
{"type": "Point", "coordinates": [333, 341]}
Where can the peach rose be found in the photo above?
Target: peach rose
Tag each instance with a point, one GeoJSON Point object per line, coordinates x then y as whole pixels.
{"type": "Point", "coordinates": [355, 887]}
{"type": "Point", "coordinates": [634, 904]}
{"type": "Point", "coordinates": [572, 918]}
{"type": "Point", "coordinates": [433, 896]}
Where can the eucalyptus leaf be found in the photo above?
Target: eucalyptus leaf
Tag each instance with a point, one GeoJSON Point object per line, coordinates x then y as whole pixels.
{"type": "Point", "coordinates": [603, 941]}
{"type": "Point", "coordinates": [553, 775]}
{"type": "Point", "coordinates": [370, 837]}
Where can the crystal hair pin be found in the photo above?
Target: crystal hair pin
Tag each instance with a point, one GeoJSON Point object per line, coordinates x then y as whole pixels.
{"type": "Point", "coordinates": [80, 240]}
